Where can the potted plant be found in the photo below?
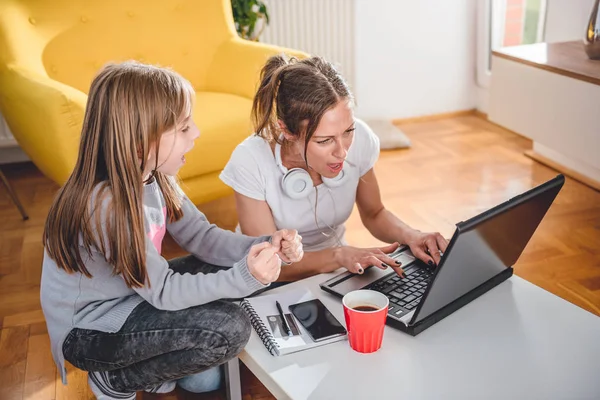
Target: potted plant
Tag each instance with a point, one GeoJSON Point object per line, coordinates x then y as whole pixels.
{"type": "Point", "coordinates": [251, 18]}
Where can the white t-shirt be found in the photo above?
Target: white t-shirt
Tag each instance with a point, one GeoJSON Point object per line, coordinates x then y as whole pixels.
{"type": "Point", "coordinates": [253, 172]}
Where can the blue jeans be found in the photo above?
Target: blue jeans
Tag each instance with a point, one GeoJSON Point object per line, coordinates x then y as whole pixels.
{"type": "Point", "coordinates": [156, 346]}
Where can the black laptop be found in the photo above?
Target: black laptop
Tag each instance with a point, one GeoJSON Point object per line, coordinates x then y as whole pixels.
{"type": "Point", "coordinates": [480, 256]}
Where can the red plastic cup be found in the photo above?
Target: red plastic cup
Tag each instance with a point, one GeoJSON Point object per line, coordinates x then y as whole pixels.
{"type": "Point", "coordinates": [365, 328]}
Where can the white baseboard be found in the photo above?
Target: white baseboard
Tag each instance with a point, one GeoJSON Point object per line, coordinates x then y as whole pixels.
{"type": "Point", "coordinates": [583, 168]}
{"type": "Point", "coordinates": [12, 154]}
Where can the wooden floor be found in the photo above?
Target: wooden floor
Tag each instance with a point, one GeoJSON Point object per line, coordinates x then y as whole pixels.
{"type": "Point", "coordinates": [456, 168]}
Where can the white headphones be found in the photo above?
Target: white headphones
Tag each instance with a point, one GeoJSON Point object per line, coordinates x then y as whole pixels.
{"type": "Point", "coordinates": [297, 183]}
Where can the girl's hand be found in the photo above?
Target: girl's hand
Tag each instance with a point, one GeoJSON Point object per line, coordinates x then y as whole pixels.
{"type": "Point", "coordinates": [289, 244]}
{"type": "Point", "coordinates": [264, 263]}
{"type": "Point", "coordinates": [355, 259]}
{"type": "Point", "coordinates": [427, 247]}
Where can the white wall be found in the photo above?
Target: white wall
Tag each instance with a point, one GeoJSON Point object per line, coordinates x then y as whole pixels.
{"type": "Point", "coordinates": [10, 152]}
{"type": "Point", "coordinates": [482, 99]}
{"type": "Point", "coordinates": [566, 19]}
{"type": "Point", "coordinates": [414, 57]}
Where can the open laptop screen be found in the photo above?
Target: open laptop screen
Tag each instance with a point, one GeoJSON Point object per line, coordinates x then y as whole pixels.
{"type": "Point", "coordinates": [485, 245]}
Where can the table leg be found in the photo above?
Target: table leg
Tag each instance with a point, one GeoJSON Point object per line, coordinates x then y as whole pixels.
{"type": "Point", "coordinates": [233, 383]}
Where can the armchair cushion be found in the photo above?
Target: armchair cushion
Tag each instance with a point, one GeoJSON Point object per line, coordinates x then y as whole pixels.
{"type": "Point", "coordinates": [224, 122]}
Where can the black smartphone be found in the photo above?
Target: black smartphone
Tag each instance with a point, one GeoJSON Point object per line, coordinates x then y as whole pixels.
{"type": "Point", "coordinates": [317, 320]}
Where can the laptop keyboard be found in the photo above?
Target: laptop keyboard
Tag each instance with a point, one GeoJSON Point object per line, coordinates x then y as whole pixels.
{"type": "Point", "coordinates": [404, 293]}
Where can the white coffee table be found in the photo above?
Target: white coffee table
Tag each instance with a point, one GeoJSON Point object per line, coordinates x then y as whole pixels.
{"type": "Point", "coordinates": [517, 341]}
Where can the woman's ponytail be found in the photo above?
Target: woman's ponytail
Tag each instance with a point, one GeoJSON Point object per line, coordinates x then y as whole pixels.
{"type": "Point", "coordinates": [264, 113]}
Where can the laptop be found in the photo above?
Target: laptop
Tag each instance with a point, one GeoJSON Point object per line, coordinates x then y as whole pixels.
{"type": "Point", "coordinates": [479, 256]}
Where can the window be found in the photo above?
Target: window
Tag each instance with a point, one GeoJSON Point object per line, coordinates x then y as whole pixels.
{"type": "Point", "coordinates": [502, 23]}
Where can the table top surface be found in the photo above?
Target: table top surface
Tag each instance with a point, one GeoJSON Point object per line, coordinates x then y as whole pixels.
{"type": "Point", "coordinates": [565, 58]}
{"type": "Point", "coordinates": [515, 341]}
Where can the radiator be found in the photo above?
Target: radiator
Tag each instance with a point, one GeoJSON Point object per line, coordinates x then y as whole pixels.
{"type": "Point", "coordinates": [319, 27]}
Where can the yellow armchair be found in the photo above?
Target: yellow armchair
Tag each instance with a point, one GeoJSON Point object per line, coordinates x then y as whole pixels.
{"type": "Point", "coordinates": [50, 51]}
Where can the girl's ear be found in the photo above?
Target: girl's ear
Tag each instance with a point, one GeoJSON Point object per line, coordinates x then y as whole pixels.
{"type": "Point", "coordinates": [140, 155]}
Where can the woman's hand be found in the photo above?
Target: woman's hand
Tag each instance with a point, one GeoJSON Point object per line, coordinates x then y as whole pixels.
{"type": "Point", "coordinates": [355, 259]}
{"type": "Point", "coordinates": [427, 247]}
{"type": "Point", "coordinates": [289, 245]}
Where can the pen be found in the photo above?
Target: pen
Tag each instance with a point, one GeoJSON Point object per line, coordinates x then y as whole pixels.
{"type": "Point", "coordinates": [283, 320]}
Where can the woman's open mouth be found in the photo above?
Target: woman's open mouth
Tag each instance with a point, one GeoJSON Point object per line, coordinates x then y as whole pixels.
{"type": "Point", "coordinates": [335, 167]}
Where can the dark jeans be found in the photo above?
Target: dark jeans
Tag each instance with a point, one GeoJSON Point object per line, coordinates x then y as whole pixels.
{"type": "Point", "coordinates": [156, 346]}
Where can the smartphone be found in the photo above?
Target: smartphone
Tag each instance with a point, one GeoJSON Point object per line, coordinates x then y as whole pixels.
{"type": "Point", "coordinates": [318, 321]}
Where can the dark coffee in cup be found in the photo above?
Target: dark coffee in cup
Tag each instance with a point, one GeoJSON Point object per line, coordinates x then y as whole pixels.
{"type": "Point", "coordinates": [365, 308]}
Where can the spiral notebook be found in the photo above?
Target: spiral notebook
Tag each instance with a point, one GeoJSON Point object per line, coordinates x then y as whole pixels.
{"type": "Point", "coordinates": [268, 325]}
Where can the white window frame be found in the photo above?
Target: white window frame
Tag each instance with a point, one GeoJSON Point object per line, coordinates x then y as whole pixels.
{"type": "Point", "coordinates": [490, 32]}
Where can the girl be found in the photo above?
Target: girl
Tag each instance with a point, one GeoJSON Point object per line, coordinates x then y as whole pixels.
{"type": "Point", "coordinates": [113, 305]}
{"type": "Point", "coordinates": [307, 165]}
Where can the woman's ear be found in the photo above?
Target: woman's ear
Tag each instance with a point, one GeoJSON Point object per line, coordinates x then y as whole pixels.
{"type": "Point", "coordinates": [290, 137]}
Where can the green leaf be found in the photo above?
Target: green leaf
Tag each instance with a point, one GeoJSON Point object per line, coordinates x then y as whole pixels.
{"type": "Point", "coordinates": [263, 11]}
{"type": "Point", "coordinates": [246, 17]}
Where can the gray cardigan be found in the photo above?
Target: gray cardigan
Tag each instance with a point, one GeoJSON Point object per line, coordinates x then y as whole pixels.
{"type": "Point", "coordinates": [104, 301]}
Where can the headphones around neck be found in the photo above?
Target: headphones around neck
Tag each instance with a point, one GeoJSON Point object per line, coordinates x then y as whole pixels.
{"type": "Point", "coordinates": [297, 183]}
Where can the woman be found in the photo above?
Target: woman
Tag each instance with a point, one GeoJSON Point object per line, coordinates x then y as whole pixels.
{"type": "Point", "coordinates": [307, 165]}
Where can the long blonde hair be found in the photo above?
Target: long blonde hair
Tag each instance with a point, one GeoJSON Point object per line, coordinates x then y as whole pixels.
{"type": "Point", "coordinates": [129, 106]}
